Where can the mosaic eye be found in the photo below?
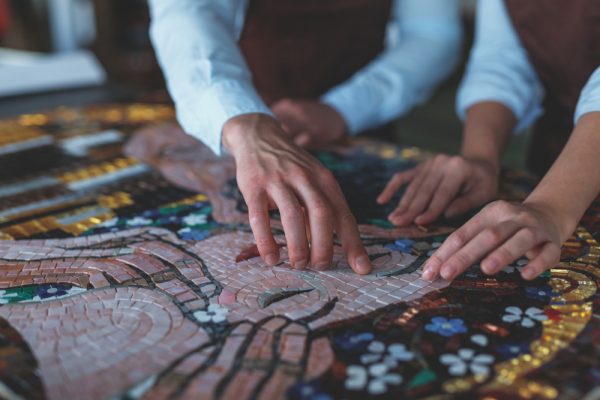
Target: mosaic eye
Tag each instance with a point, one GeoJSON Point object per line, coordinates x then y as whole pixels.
{"type": "Point", "coordinates": [278, 294]}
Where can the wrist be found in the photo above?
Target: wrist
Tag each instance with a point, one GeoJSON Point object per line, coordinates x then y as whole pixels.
{"type": "Point", "coordinates": [564, 223]}
{"type": "Point", "coordinates": [238, 130]}
{"type": "Point", "coordinates": [483, 152]}
{"type": "Point", "coordinates": [490, 163]}
{"type": "Point", "coordinates": [487, 128]}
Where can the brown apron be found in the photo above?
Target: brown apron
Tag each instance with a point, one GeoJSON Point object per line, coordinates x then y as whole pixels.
{"type": "Point", "coordinates": [562, 39]}
{"type": "Point", "coordinates": [303, 48]}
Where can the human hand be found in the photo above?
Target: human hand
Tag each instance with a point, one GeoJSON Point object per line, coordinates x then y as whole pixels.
{"type": "Point", "coordinates": [311, 124]}
{"type": "Point", "coordinates": [451, 185]}
{"type": "Point", "coordinates": [500, 234]}
{"type": "Point", "coordinates": [272, 172]}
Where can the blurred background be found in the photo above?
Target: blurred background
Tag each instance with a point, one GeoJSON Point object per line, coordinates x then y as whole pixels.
{"type": "Point", "coordinates": [80, 52]}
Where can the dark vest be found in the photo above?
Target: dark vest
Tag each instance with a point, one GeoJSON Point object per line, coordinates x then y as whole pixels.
{"type": "Point", "coordinates": [562, 39]}
{"type": "Point", "coordinates": [302, 48]}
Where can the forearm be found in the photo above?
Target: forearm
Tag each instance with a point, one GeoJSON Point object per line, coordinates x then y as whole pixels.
{"type": "Point", "coordinates": [425, 50]}
{"type": "Point", "coordinates": [488, 126]}
{"type": "Point", "coordinates": [573, 182]}
{"type": "Point", "coordinates": [207, 77]}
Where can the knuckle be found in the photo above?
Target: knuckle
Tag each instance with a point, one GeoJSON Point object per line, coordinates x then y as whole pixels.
{"type": "Point", "coordinates": [492, 236]}
{"type": "Point", "coordinates": [456, 162]}
{"type": "Point", "coordinates": [321, 210]}
{"type": "Point", "coordinates": [416, 206]}
{"type": "Point", "coordinates": [435, 259]}
{"type": "Point", "coordinates": [276, 182]}
{"type": "Point", "coordinates": [462, 259]}
{"type": "Point", "coordinates": [529, 235]}
{"type": "Point", "coordinates": [299, 253]}
{"type": "Point", "coordinates": [263, 244]}
{"type": "Point", "coordinates": [293, 215]}
{"type": "Point", "coordinates": [255, 217]}
{"type": "Point", "coordinates": [459, 238]}
{"type": "Point", "coordinates": [427, 187]}
{"type": "Point", "coordinates": [500, 207]}
{"type": "Point", "coordinates": [301, 175]}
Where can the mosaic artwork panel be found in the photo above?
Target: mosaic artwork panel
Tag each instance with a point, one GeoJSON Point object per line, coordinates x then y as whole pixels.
{"type": "Point", "coordinates": [128, 270]}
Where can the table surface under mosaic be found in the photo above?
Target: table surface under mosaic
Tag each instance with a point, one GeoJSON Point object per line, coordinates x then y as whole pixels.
{"type": "Point", "coordinates": [127, 270]}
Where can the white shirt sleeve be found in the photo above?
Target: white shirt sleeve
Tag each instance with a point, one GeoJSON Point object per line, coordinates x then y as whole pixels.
{"type": "Point", "coordinates": [424, 39]}
{"type": "Point", "coordinates": [589, 100]}
{"type": "Point", "coordinates": [196, 46]}
{"type": "Point", "coordinates": [499, 69]}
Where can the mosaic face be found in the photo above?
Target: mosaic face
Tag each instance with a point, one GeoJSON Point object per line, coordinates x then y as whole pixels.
{"type": "Point", "coordinates": [114, 283]}
{"type": "Point", "coordinates": [95, 292]}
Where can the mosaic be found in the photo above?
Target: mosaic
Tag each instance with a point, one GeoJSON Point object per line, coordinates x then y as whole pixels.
{"type": "Point", "coordinates": [128, 271]}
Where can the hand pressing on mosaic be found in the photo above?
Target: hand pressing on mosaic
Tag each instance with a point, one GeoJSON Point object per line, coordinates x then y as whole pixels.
{"type": "Point", "coordinates": [453, 185]}
{"type": "Point", "coordinates": [499, 235]}
{"type": "Point", "coordinates": [503, 232]}
{"type": "Point", "coordinates": [444, 185]}
{"type": "Point", "coordinates": [310, 123]}
{"type": "Point", "coordinates": [273, 173]}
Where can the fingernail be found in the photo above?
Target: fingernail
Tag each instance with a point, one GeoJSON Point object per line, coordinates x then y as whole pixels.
{"type": "Point", "coordinates": [448, 272]}
{"type": "Point", "coordinates": [490, 266]}
{"type": "Point", "coordinates": [528, 273]}
{"type": "Point", "coordinates": [363, 265]}
{"type": "Point", "coordinates": [301, 264]}
{"type": "Point", "coordinates": [271, 259]}
{"type": "Point", "coordinates": [428, 272]}
{"type": "Point", "coordinates": [321, 266]}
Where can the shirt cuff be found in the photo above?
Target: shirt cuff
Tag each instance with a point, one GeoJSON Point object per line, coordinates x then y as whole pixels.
{"type": "Point", "coordinates": [345, 103]}
{"type": "Point", "coordinates": [478, 92]}
{"type": "Point", "coordinates": [204, 115]}
{"type": "Point", "coordinates": [589, 100]}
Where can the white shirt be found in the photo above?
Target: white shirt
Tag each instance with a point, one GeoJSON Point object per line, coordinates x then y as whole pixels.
{"type": "Point", "coordinates": [196, 46]}
{"type": "Point", "coordinates": [499, 70]}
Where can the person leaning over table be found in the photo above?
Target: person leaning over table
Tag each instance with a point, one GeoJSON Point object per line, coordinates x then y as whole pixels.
{"type": "Point", "coordinates": [530, 59]}
{"type": "Point", "coordinates": [264, 78]}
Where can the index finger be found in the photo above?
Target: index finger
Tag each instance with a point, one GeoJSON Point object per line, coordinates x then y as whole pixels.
{"type": "Point", "coordinates": [453, 243]}
{"type": "Point", "coordinates": [347, 231]}
{"type": "Point", "coordinates": [258, 215]}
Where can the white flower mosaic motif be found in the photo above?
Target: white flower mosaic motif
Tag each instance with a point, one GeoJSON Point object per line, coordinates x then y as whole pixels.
{"type": "Point", "coordinates": [376, 374]}
{"type": "Point", "coordinates": [465, 361]}
{"type": "Point", "coordinates": [194, 219]}
{"type": "Point", "coordinates": [6, 297]}
{"type": "Point", "coordinates": [215, 314]}
{"type": "Point", "coordinates": [139, 221]}
{"type": "Point", "coordinates": [479, 339]}
{"type": "Point", "coordinates": [527, 318]}
{"type": "Point", "coordinates": [375, 378]}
